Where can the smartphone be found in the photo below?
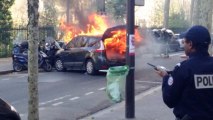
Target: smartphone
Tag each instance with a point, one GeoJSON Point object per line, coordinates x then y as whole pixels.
{"type": "Point", "coordinates": [155, 67]}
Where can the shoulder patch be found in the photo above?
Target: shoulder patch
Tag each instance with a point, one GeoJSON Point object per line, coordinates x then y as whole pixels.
{"type": "Point", "coordinates": [178, 64]}
{"type": "Point", "coordinates": [170, 81]}
{"type": "Point", "coordinates": [203, 81]}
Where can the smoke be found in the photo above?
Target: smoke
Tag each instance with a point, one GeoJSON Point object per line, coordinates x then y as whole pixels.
{"type": "Point", "coordinates": [150, 45]}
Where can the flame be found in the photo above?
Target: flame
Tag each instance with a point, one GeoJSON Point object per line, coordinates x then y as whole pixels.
{"type": "Point", "coordinates": [117, 43]}
{"type": "Point", "coordinates": [96, 26]}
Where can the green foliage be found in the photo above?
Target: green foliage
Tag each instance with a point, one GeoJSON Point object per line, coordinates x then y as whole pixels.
{"type": "Point", "coordinates": [117, 8]}
{"type": "Point", "coordinates": [156, 18]}
{"type": "Point", "coordinates": [5, 15]}
{"type": "Point", "coordinates": [177, 20]}
{"type": "Point", "coordinates": [5, 25]}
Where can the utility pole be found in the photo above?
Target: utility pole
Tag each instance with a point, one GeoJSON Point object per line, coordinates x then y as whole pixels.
{"type": "Point", "coordinates": [130, 60]}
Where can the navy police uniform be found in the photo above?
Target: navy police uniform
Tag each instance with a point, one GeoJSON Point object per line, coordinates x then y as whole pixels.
{"type": "Point", "coordinates": [189, 88]}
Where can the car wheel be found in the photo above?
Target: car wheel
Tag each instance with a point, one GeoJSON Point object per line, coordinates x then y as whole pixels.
{"type": "Point", "coordinates": [90, 67]}
{"type": "Point", "coordinates": [59, 65]}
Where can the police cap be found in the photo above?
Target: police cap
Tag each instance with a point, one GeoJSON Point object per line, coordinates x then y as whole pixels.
{"type": "Point", "coordinates": [198, 35]}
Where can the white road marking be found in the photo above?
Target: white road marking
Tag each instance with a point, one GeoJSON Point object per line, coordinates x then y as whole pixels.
{"type": "Point", "coordinates": [5, 79]}
{"type": "Point", "coordinates": [58, 103]}
{"type": "Point", "coordinates": [74, 98]}
{"type": "Point", "coordinates": [62, 97]}
{"type": "Point", "coordinates": [89, 93]}
{"type": "Point", "coordinates": [43, 103]}
{"type": "Point", "coordinates": [137, 81]}
{"type": "Point", "coordinates": [103, 88]}
{"type": "Point", "coordinates": [56, 99]}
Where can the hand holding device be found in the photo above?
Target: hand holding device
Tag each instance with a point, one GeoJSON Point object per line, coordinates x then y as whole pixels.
{"type": "Point", "coordinates": [161, 70]}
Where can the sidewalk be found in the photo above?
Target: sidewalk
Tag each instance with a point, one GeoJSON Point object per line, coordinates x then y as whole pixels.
{"type": "Point", "coordinates": [6, 65]}
{"type": "Point", "coordinates": [148, 106]}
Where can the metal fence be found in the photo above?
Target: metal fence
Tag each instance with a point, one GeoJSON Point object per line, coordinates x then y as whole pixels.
{"type": "Point", "coordinates": [8, 36]}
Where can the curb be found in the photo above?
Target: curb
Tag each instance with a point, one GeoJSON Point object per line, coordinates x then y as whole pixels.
{"type": "Point", "coordinates": [6, 72]}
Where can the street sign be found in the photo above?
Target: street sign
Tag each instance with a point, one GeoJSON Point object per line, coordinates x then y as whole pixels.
{"type": "Point", "coordinates": [139, 2]}
{"type": "Point", "coordinates": [131, 44]}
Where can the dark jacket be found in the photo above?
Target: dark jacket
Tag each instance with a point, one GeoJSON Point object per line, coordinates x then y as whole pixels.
{"type": "Point", "coordinates": [189, 89]}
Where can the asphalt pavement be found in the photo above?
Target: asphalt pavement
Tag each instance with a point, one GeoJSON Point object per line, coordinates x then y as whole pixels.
{"type": "Point", "coordinates": [148, 105]}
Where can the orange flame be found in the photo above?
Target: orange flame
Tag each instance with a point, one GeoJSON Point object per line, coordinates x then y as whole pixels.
{"type": "Point", "coordinates": [117, 43]}
{"type": "Point", "coordinates": [96, 26]}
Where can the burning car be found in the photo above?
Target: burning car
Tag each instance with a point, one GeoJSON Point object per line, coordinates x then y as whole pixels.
{"type": "Point", "coordinates": [94, 52]}
{"type": "Point", "coordinates": [92, 45]}
{"type": "Point", "coordinates": [85, 52]}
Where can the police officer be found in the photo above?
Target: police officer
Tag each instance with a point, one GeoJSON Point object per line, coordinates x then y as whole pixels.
{"type": "Point", "coordinates": [189, 87]}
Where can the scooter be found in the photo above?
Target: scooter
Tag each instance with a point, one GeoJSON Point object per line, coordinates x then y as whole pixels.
{"type": "Point", "coordinates": [7, 111]}
{"type": "Point", "coordinates": [51, 49]}
{"type": "Point", "coordinates": [20, 61]}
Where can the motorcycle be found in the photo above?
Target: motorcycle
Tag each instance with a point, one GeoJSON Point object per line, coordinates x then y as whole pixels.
{"type": "Point", "coordinates": [20, 61]}
{"type": "Point", "coordinates": [51, 49]}
{"type": "Point", "coordinates": [7, 111]}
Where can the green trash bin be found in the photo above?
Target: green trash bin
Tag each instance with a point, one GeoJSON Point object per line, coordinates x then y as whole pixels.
{"type": "Point", "coordinates": [116, 81]}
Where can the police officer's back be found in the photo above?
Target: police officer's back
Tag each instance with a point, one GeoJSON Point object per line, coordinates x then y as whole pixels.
{"type": "Point", "coordinates": [189, 88]}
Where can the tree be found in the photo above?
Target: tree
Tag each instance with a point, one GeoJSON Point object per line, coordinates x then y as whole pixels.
{"type": "Point", "coordinates": [33, 15]}
{"type": "Point", "coordinates": [5, 14]}
{"type": "Point", "coordinates": [177, 20]}
{"type": "Point", "coordinates": [48, 16]}
{"type": "Point", "coordinates": [202, 13]}
{"type": "Point", "coordinates": [156, 16]}
{"type": "Point", "coordinates": [191, 11]}
{"type": "Point", "coordinates": [5, 24]}
{"type": "Point", "coordinates": [166, 13]}
{"type": "Point", "coordinates": [179, 16]}
{"type": "Point", "coordinates": [117, 8]}
{"type": "Point", "coordinates": [19, 13]}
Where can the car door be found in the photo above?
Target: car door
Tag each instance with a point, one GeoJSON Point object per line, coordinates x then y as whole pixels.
{"type": "Point", "coordinates": [66, 54]}
{"type": "Point", "coordinates": [81, 51]}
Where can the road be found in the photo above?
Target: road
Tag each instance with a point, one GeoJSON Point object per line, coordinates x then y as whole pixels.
{"type": "Point", "coordinates": [72, 95]}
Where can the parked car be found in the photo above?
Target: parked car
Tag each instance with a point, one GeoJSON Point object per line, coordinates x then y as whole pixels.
{"type": "Point", "coordinates": [85, 53]}
{"type": "Point", "coordinates": [179, 39]}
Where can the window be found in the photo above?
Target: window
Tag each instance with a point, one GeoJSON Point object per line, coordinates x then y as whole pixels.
{"type": "Point", "coordinates": [70, 44]}
{"type": "Point", "coordinates": [94, 42]}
